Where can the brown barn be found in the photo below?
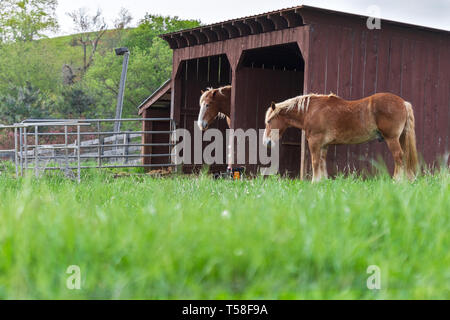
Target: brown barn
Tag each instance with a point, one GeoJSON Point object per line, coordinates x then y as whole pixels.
{"type": "Point", "coordinates": [284, 53]}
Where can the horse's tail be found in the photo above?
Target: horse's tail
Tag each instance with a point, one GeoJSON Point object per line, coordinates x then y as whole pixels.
{"type": "Point", "coordinates": [408, 143]}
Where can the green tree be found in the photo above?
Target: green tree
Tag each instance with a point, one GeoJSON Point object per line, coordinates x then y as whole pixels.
{"type": "Point", "coordinates": [147, 69]}
{"type": "Point", "coordinates": [76, 102]}
{"type": "Point", "coordinates": [149, 66]}
{"type": "Point", "coordinates": [54, 68]}
{"type": "Point", "coordinates": [154, 25]}
{"type": "Point", "coordinates": [24, 102]}
{"type": "Point", "coordinates": [27, 20]}
{"type": "Point", "coordinates": [33, 62]}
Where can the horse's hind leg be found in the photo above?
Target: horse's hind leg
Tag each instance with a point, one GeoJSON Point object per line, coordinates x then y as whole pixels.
{"type": "Point", "coordinates": [323, 161]}
{"type": "Point", "coordinates": [397, 153]}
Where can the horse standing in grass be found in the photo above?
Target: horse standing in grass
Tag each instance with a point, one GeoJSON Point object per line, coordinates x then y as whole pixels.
{"type": "Point", "coordinates": [331, 120]}
{"type": "Point", "coordinates": [214, 103]}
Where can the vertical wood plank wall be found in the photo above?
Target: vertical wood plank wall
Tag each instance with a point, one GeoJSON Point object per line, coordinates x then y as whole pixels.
{"type": "Point", "coordinates": [156, 138]}
{"type": "Point", "coordinates": [354, 62]}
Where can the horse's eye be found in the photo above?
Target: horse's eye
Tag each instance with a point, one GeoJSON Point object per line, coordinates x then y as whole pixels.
{"type": "Point", "coordinates": [207, 105]}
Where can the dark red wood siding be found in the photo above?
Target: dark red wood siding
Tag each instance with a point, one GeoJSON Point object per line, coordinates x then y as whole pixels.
{"type": "Point", "coordinates": [353, 62]}
{"type": "Point", "coordinates": [156, 138]}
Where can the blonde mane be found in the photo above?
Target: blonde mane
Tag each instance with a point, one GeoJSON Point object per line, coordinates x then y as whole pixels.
{"type": "Point", "coordinates": [210, 89]}
{"type": "Point", "coordinates": [301, 103]}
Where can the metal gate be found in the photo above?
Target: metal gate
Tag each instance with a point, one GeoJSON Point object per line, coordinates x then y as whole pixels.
{"type": "Point", "coordinates": [73, 145]}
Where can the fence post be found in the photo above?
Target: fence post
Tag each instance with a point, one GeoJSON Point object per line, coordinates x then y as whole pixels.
{"type": "Point", "coordinates": [21, 150]}
{"type": "Point", "coordinates": [36, 142]}
{"type": "Point", "coordinates": [79, 153]}
{"type": "Point", "coordinates": [100, 145]}
{"type": "Point", "coordinates": [101, 150]}
{"type": "Point", "coordinates": [115, 150]}
{"type": "Point", "coordinates": [127, 147]}
{"type": "Point", "coordinates": [25, 147]}
{"type": "Point", "coordinates": [66, 147]}
{"type": "Point", "coordinates": [15, 152]}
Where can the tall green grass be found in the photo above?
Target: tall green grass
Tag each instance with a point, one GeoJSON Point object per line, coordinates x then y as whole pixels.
{"type": "Point", "coordinates": [194, 237]}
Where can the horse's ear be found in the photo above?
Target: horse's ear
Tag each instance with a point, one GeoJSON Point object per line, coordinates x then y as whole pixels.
{"type": "Point", "coordinates": [273, 105]}
{"type": "Point", "coordinates": [202, 91]}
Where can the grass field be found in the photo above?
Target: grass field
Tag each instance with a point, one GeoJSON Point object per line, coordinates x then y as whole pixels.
{"type": "Point", "coordinates": [192, 238]}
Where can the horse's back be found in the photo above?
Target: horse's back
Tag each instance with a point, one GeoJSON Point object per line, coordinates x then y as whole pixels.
{"type": "Point", "coordinates": [377, 98]}
{"type": "Point", "coordinates": [387, 98]}
{"type": "Point", "coordinates": [380, 104]}
{"type": "Point", "coordinates": [358, 121]}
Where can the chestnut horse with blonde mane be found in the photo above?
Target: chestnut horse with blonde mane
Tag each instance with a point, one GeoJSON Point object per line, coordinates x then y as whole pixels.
{"type": "Point", "coordinates": [331, 120]}
{"type": "Point", "coordinates": [214, 103]}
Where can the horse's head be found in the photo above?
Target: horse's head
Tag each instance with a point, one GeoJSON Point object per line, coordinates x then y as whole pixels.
{"type": "Point", "coordinates": [275, 125]}
{"type": "Point", "coordinates": [210, 103]}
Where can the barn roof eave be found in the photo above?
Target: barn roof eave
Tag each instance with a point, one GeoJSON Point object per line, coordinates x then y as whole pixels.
{"type": "Point", "coordinates": [265, 22]}
{"type": "Point", "coordinates": [163, 89]}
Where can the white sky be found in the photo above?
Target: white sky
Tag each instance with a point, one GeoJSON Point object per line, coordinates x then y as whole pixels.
{"type": "Point", "coordinates": [431, 13]}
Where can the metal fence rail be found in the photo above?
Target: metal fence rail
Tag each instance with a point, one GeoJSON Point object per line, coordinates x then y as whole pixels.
{"type": "Point", "coordinates": [7, 154]}
{"type": "Point", "coordinates": [76, 144]}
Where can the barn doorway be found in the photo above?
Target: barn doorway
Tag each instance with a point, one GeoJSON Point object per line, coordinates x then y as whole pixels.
{"type": "Point", "coordinates": [269, 74]}
{"type": "Point", "coordinates": [193, 76]}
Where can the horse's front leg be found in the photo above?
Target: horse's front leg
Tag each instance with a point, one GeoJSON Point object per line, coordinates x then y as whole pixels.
{"type": "Point", "coordinates": [314, 149]}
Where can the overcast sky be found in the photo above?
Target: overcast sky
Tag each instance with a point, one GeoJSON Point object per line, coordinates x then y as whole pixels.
{"type": "Point", "coordinates": [431, 13]}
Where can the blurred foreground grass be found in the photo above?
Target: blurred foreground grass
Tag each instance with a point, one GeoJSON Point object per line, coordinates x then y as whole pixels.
{"type": "Point", "coordinates": [138, 237]}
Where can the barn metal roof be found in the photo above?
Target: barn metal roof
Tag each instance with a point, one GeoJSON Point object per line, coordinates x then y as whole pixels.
{"type": "Point", "coordinates": [265, 22]}
{"type": "Point", "coordinates": [260, 23]}
{"type": "Point", "coordinates": [159, 99]}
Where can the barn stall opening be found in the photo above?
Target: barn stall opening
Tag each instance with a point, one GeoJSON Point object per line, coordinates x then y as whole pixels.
{"type": "Point", "coordinates": [284, 53]}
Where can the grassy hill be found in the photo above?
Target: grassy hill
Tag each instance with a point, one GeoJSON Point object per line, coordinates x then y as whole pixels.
{"type": "Point", "coordinates": [67, 51]}
{"type": "Point", "coordinates": [51, 72]}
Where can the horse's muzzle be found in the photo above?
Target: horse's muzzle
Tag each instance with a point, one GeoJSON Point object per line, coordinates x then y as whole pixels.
{"type": "Point", "coordinates": [267, 142]}
{"type": "Point", "coordinates": [202, 124]}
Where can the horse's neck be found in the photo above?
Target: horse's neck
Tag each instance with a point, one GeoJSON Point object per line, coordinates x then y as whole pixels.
{"type": "Point", "coordinates": [295, 115]}
{"type": "Point", "coordinates": [294, 119]}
